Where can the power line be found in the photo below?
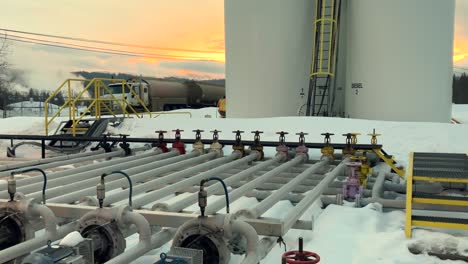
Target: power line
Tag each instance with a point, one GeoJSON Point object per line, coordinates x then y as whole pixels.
{"type": "Point", "coordinates": [92, 50]}
{"type": "Point", "coordinates": [107, 42]}
{"type": "Point", "coordinates": [63, 44]}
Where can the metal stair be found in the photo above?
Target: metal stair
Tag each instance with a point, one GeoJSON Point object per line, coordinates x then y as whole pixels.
{"type": "Point", "coordinates": [321, 96]}
{"type": "Point", "coordinates": [435, 167]}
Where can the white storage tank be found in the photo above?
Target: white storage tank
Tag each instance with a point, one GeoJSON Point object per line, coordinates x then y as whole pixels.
{"type": "Point", "coordinates": [399, 59]}
{"type": "Point", "coordinates": [268, 56]}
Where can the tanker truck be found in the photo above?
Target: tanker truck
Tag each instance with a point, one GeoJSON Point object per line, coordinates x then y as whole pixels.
{"type": "Point", "coordinates": [165, 95]}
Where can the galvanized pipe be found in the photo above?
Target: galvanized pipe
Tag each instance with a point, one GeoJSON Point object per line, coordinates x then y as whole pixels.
{"type": "Point", "coordinates": [35, 243]}
{"type": "Point", "coordinates": [214, 167]}
{"type": "Point", "coordinates": [189, 200]}
{"type": "Point", "coordinates": [100, 155]}
{"type": "Point", "coordinates": [87, 168]}
{"type": "Point", "coordinates": [302, 206]}
{"type": "Point", "coordinates": [239, 192]}
{"type": "Point", "coordinates": [70, 183]}
{"type": "Point", "coordinates": [269, 202]}
{"type": "Point", "coordinates": [46, 160]}
{"type": "Point", "coordinates": [115, 181]}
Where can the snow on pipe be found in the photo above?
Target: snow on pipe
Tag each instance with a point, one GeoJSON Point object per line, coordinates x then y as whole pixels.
{"type": "Point", "coordinates": [47, 160]}
{"type": "Point", "coordinates": [239, 192]}
{"type": "Point", "coordinates": [150, 172]}
{"type": "Point", "coordinates": [114, 181]}
{"type": "Point", "coordinates": [185, 202]}
{"type": "Point", "coordinates": [35, 243]}
{"type": "Point", "coordinates": [116, 153]}
{"type": "Point", "coordinates": [214, 167]}
{"type": "Point", "coordinates": [60, 174]}
{"type": "Point", "coordinates": [87, 174]}
{"type": "Point", "coordinates": [70, 183]}
{"type": "Point", "coordinates": [250, 234]}
{"type": "Point", "coordinates": [266, 204]}
{"type": "Point", "coordinates": [305, 203]}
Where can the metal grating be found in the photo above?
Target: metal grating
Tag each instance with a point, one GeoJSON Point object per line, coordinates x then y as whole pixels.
{"type": "Point", "coordinates": [440, 165]}
{"type": "Point", "coordinates": [440, 219]}
{"type": "Point", "coordinates": [192, 256]}
{"type": "Point", "coordinates": [440, 197]}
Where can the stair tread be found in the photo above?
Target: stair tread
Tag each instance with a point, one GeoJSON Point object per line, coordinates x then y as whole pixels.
{"type": "Point", "coordinates": [439, 219]}
{"type": "Point", "coordinates": [439, 197]}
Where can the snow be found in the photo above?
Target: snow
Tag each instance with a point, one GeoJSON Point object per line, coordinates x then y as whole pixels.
{"type": "Point", "coordinates": [72, 239]}
{"type": "Point", "coordinates": [341, 234]}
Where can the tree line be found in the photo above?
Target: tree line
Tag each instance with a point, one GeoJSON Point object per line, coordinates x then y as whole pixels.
{"type": "Point", "coordinates": [460, 89]}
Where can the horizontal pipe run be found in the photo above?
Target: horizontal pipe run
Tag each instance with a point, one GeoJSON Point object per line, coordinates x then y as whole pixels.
{"type": "Point", "coordinates": [56, 164]}
{"type": "Point", "coordinates": [302, 206]}
{"type": "Point", "coordinates": [76, 182]}
{"type": "Point", "coordinates": [35, 243]}
{"type": "Point", "coordinates": [44, 161]}
{"type": "Point", "coordinates": [239, 192]}
{"type": "Point", "coordinates": [214, 167]}
{"type": "Point", "coordinates": [114, 181]}
{"type": "Point", "coordinates": [187, 141]}
{"type": "Point", "coordinates": [269, 202]}
{"type": "Point", "coordinates": [191, 199]}
{"type": "Point", "coordinates": [149, 177]}
{"type": "Point", "coordinates": [87, 168]}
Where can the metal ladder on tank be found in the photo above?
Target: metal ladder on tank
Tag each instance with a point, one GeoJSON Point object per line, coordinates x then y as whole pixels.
{"type": "Point", "coordinates": [320, 97]}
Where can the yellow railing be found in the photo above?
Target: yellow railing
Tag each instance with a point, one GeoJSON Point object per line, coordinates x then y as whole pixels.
{"type": "Point", "coordinates": [91, 95]}
{"type": "Point", "coordinates": [326, 21]}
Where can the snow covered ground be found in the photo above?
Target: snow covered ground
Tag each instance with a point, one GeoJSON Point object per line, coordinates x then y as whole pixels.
{"type": "Point", "coordinates": [341, 234]}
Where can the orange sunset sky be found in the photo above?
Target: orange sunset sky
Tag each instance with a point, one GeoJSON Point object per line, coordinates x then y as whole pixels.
{"type": "Point", "coordinates": [179, 25]}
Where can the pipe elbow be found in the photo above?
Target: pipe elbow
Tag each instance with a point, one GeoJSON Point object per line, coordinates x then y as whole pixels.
{"type": "Point", "coordinates": [50, 221]}
{"type": "Point", "coordinates": [250, 234]}
{"type": "Point", "coordinates": [143, 227]}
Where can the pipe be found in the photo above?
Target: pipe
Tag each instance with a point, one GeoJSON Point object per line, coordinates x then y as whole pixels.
{"type": "Point", "coordinates": [250, 234]}
{"type": "Point", "coordinates": [191, 199]}
{"type": "Point", "coordinates": [48, 217]}
{"type": "Point", "coordinates": [156, 195]}
{"type": "Point", "coordinates": [143, 172]}
{"type": "Point", "coordinates": [87, 168]}
{"type": "Point", "coordinates": [239, 192]}
{"type": "Point", "coordinates": [157, 241]}
{"type": "Point", "coordinates": [46, 160]}
{"type": "Point", "coordinates": [300, 208]}
{"type": "Point", "coordinates": [55, 180]}
{"type": "Point", "coordinates": [269, 202]}
{"type": "Point", "coordinates": [35, 243]}
{"type": "Point", "coordinates": [55, 164]}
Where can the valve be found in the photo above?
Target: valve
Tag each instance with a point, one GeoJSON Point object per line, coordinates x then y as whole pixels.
{"type": "Point", "coordinates": [300, 256]}
{"type": "Point", "coordinates": [104, 144]}
{"type": "Point", "coordinates": [354, 137]}
{"type": "Point", "coordinates": [124, 145]}
{"type": "Point", "coordinates": [178, 144]}
{"type": "Point", "coordinates": [256, 145]}
{"type": "Point", "coordinates": [374, 137]}
{"type": "Point", "coordinates": [282, 148]}
{"type": "Point", "coordinates": [238, 145]}
{"type": "Point", "coordinates": [12, 186]}
{"type": "Point", "coordinates": [352, 189]}
{"type": "Point", "coordinates": [328, 150]}
{"type": "Point", "coordinates": [365, 168]}
{"type": "Point", "coordinates": [302, 148]}
{"type": "Point", "coordinates": [216, 146]}
{"type": "Point", "coordinates": [198, 144]}
{"type": "Point", "coordinates": [348, 149]}
{"type": "Point", "coordinates": [161, 144]}
{"type": "Point", "coordinates": [202, 198]}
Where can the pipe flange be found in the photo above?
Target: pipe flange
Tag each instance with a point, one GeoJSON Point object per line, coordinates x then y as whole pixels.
{"type": "Point", "coordinates": [107, 237]}
{"type": "Point", "coordinates": [204, 237]}
{"type": "Point", "coordinates": [15, 228]}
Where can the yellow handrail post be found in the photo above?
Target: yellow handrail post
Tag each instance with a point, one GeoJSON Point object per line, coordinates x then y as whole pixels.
{"type": "Point", "coordinates": [409, 197]}
{"type": "Point", "coordinates": [68, 99]}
